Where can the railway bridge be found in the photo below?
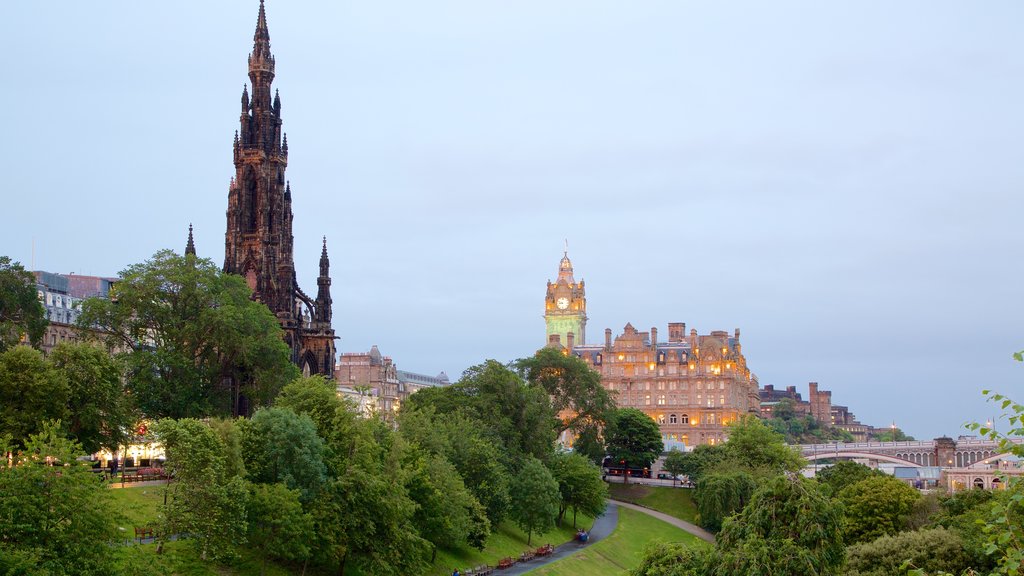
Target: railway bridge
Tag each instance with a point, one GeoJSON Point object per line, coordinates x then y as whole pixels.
{"type": "Point", "coordinates": [943, 452]}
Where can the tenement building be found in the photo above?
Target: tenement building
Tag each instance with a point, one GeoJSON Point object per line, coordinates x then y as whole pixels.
{"type": "Point", "coordinates": [61, 296]}
{"type": "Point", "coordinates": [258, 241]}
{"type": "Point", "coordinates": [375, 384]}
{"type": "Point", "coordinates": [692, 385]}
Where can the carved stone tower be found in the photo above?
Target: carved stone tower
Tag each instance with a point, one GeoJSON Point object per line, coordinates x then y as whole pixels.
{"type": "Point", "coordinates": [565, 307]}
{"type": "Point", "coordinates": [258, 241]}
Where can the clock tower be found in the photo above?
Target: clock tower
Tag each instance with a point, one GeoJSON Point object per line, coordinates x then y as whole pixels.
{"type": "Point", "coordinates": [565, 306]}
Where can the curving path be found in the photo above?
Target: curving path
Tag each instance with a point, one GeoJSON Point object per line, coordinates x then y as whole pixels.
{"type": "Point", "coordinates": [602, 528]}
{"type": "Point", "coordinates": [681, 524]}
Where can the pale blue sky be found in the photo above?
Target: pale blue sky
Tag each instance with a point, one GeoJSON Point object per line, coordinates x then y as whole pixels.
{"type": "Point", "coordinates": [840, 180]}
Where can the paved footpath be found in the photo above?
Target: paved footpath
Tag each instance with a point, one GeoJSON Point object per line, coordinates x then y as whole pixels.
{"type": "Point", "coordinates": [682, 524]}
{"type": "Point", "coordinates": [601, 529]}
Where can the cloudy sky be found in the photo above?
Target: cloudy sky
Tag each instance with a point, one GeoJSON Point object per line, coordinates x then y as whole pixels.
{"type": "Point", "coordinates": [839, 180]}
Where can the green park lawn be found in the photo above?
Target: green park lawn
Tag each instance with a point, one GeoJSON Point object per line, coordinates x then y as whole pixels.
{"type": "Point", "coordinates": [677, 502]}
{"type": "Point", "coordinates": [138, 506]}
{"type": "Point", "coordinates": [622, 550]}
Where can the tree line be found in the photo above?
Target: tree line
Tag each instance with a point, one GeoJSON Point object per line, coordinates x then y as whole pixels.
{"type": "Point", "coordinates": [304, 479]}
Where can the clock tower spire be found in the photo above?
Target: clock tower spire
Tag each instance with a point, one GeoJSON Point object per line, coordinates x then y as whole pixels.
{"type": "Point", "coordinates": [565, 306]}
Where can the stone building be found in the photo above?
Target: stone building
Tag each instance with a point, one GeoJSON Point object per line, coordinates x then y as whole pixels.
{"type": "Point", "coordinates": [691, 385]}
{"type": "Point", "coordinates": [565, 306]}
{"type": "Point", "coordinates": [374, 382]}
{"type": "Point", "coordinates": [61, 296]}
{"type": "Point", "coordinates": [818, 405]}
{"type": "Point", "coordinates": [258, 241]}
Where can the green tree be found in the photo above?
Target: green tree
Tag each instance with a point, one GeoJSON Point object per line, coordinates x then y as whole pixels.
{"type": "Point", "coordinates": [363, 515]}
{"type": "Point", "coordinates": [100, 414]}
{"type": "Point", "coordinates": [704, 459]}
{"type": "Point", "coordinates": [842, 474]}
{"type": "Point", "coordinates": [278, 527]}
{"type": "Point", "coordinates": [21, 313]}
{"type": "Point", "coordinates": [790, 528]}
{"type": "Point", "coordinates": [633, 437]}
{"type": "Point", "coordinates": [575, 389]}
{"type": "Point", "coordinates": [229, 433]}
{"type": "Point", "coordinates": [188, 329]}
{"type": "Point", "coordinates": [754, 445]}
{"type": "Point", "coordinates": [279, 445]}
{"type": "Point", "coordinates": [32, 391]}
{"type": "Point", "coordinates": [204, 502]}
{"type": "Point", "coordinates": [876, 506]}
{"type": "Point", "coordinates": [447, 514]}
{"type": "Point", "coordinates": [516, 414]}
{"type": "Point", "coordinates": [54, 513]}
{"type": "Point", "coordinates": [674, 559]}
{"type": "Point", "coordinates": [675, 464]}
{"type": "Point", "coordinates": [933, 549]}
{"type": "Point", "coordinates": [579, 485]}
{"type": "Point", "coordinates": [535, 498]}
{"type": "Point", "coordinates": [462, 441]}
{"type": "Point", "coordinates": [316, 397]}
{"type": "Point", "coordinates": [721, 494]}
{"type": "Point", "coordinates": [589, 443]}
{"type": "Point", "coordinates": [892, 434]}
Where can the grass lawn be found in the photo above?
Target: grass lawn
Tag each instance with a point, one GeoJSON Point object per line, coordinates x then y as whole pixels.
{"type": "Point", "coordinates": [622, 550]}
{"type": "Point", "coordinates": [508, 540]}
{"type": "Point", "coordinates": [677, 502]}
{"type": "Point", "coordinates": [138, 506]}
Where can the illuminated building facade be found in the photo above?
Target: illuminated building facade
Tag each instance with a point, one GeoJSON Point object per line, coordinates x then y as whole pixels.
{"type": "Point", "coordinates": [691, 385]}
{"type": "Point", "coordinates": [565, 307]}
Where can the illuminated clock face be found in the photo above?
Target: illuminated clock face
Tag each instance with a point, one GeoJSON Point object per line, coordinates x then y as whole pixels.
{"type": "Point", "coordinates": [563, 303]}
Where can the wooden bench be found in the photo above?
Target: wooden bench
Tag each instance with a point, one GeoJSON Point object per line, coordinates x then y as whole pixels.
{"type": "Point", "coordinates": [143, 532]}
{"type": "Point", "coordinates": [544, 550]}
{"type": "Point", "coordinates": [506, 562]}
{"type": "Point", "coordinates": [527, 556]}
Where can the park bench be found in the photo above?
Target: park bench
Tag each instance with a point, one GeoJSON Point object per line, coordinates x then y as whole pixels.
{"type": "Point", "coordinates": [506, 562]}
{"type": "Point", "coordinates": [527, 556]}
{"type": "Point", "coordinates": [544, 550]}
{"type": "Point", "coordinates": [143, 532]}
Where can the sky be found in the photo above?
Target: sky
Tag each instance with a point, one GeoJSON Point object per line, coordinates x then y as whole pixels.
{"type": "Point", "coordinates": [839, 180]}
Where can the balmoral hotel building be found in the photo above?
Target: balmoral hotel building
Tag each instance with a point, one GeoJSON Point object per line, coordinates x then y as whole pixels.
{"type": "Point", "coordinates": [692, 385]}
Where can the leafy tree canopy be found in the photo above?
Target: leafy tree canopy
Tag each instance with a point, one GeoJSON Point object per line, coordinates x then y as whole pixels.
{"type": "Point", "coordinates": [634, 437]}
{"type": "Point", "coordinates": [755, 445]}
{"type": "Point", "coordinates": [579, 485]}
{"type": "Point", "coordinates": [876, 506]}
{"type": "Point", "coordinates": [100, 414]}
{"type": "Point", "coordinates": [535, 498]}
{"type": "Point", "coordinates": [21, 313]}
{"type": "Point", "coordinates": [32, 391]}
{"type": "Point", "coordinates": [188, 328]}
{"type": "Point", "coordinates": [279, 445]}
{"type": "Point", "coordinates": [54, 514]}
{"type": "Point", "coordinates": [575, 389]}
{"type": "Point", "coordinates": [842, 474]}
{"type": "Point", "coordinates": [790, 527]}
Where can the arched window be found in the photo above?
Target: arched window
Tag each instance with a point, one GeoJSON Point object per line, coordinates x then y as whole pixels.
{"type": "Point", "coordinates": [979, 484]}
{"type": "Point", "coordinates": [684, 419]}
{"type": "Point", "coordinates": [672, 419]}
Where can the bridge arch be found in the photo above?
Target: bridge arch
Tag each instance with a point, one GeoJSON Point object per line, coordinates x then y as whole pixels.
{"type": "Point", "coordinates": [864, 455]}
{"type": "Point", "coordinates": [991, 459]}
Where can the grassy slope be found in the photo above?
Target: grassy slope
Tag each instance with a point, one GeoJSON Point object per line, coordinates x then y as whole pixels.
{"type": "Point", "coordinates": [622, 550]}
{"type": "Point", "coordinates": [138, 506]}
{"type": "Point", "coordinates": [677, 502]}
{"type": "Point", "coordinates": [508, 540]}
